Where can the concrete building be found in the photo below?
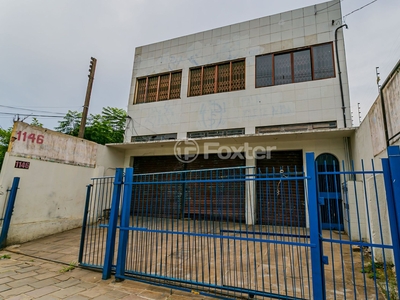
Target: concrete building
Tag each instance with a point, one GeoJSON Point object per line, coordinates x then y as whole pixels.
{"type": "Point", "coordinates": [271, 83]}
{"type": "Point", "coordinates": [256, 95]}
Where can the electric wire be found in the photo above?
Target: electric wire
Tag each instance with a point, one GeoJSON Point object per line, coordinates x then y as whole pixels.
{"type": "Point", "coordinates": [31, 115]}
{"type": "Point", "coordinates": [358, 9]}
{"type": "Point", "coordinates": [35, 110]}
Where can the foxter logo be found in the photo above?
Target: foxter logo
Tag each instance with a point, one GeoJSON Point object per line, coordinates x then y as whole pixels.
{"type": "Point", "coordinates": [186, 151]}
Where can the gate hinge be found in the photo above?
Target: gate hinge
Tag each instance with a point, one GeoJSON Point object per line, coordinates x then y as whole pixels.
{"type": "Point", "coordinates": [325, 260]}
{"type": "Point", "coordinates": [346, 206]}
{"type": "Point", "coordinates": [321, 200]}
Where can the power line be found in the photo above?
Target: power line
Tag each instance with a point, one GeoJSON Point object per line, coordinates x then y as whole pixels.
{"type": "Point", "coordinates": [30, 115]}
{"type": "Point", "coordinates": [359, 9]}
{"type": "Point", "coordinates": [35, 106]}
{"type": "Point", "coordinates": [45, 111]}
{"type": "Point", "coordinates": [343, 17]}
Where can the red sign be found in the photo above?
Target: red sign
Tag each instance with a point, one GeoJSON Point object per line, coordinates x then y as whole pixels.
{"type": "Point", "coordinates": [22, 164]}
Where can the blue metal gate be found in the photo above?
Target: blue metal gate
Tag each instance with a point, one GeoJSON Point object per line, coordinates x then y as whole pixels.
{"type": "Point", "coordinates": [178, 229]}
{"type": "Point", "coordinates": [5, 217]}
{"type": "Point", "coordinates": [101, 195]}
{"type": "Point", "coordinates": [359, 252]}
{"type": "Point", "coordinates": [212, 248]}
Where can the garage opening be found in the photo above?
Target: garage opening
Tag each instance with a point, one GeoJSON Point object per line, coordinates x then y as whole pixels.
{"type": "Point", "coordinates": [280, 202]}
{"type": "Point", "coordinates": [223, 200]}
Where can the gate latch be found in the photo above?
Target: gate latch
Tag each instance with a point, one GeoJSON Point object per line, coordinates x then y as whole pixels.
{"type": "Point", "coordinates": [321, 200]}
{"type": "Point", "coordinates": [325, 260]}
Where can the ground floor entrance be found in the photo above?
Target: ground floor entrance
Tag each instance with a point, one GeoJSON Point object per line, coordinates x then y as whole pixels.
{"type": "Point", "coordinates": [183, 229]}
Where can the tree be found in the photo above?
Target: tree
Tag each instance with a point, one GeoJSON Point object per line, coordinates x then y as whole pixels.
{"type": "Point", "coordinates": [35, 122]}
{"type": "Point", "coordinates": [70, 124]}
{"type": "Point", "coordinates": [5, 135]}
{"type": "Point", "coordinates": [107, 127]}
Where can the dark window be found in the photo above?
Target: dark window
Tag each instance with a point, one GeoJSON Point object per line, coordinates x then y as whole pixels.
{"type": "Point", "coordinates": [264, 70]}
{"type": "Point", "coordinates": [315, 62]}
{"type": "Point", "coordinates": [218, 78]}
{"type": "Point", "coordinates": [302, 66]}
{"type": "Point", "coordinates": [283, 69]}
{"type": "Point", "coordinates": [323, 61]}
{"type": "Point", "coordinates": [159, 87]}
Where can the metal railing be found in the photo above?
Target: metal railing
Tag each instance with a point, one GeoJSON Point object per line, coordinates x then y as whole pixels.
{"type": "Point", "coordinates": [201, 230]}
{"type": "Point", "coordinates": [327, 233]}
{"type": "Point", "coordinates": [7, 213]}
{"type": "Point", "coordinates": [357, 239]}
{"type": "Point", "coordinates": [95, 221]}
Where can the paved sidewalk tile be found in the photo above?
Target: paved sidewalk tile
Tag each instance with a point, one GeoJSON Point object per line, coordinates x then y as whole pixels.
{"type": "Point", "coordinates": [22, 282]}
{"type": "Point", "coordinates": [42, 291]}
{"type": "Point", "coordinates": [64, 293]}
{"type": "Point", "coordinates": [34, 271]}
{"type": "Point", "coordinates": [16, 291]}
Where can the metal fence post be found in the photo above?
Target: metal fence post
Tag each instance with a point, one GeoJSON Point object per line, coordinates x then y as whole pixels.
{"type": "Point", "coordinates": [123, 234]}
{"type": "Point", "coordinates": [394, 162]}
{"type": "Point", "coordinates": [8, 213]}
{"type": "Point", "coordinates": [112, 225]}
{"type": "Point", "coordinates": [317, 268]}
{"type": "Point", "coordinates": [85, 213]}
{"type": "Point", "coordinates": [391, 171]}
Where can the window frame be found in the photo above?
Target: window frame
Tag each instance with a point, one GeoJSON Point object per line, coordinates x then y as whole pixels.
{"type": "Point", "coordinates": [291, 52]}
{"type": "Point", "coordinates": [216, 81]}
{"type": "Point", "coordinates": [158, 76]}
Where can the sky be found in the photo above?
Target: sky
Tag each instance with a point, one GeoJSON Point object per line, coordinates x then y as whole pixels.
{"type": "Point", "coordinates": [46, 46]}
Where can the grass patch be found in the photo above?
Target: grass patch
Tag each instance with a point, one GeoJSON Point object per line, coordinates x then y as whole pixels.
{"type": "Point", "coordinates": [5, 256]}
{"type": "Point", "coordinates": [70, 267]}
{"type": "Point", "coordinates": [385, 277]}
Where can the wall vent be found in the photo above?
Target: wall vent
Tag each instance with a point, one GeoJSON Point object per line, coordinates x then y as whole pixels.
{"type": "Point", "coordinates": [154, 137]}
{"type": "Point", "coordinates": [297, 127]}
{"type": "Point", "coordinates": [215, 133]}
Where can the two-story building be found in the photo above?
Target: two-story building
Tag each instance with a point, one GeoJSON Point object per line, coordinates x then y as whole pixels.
{"type": "Point", "coordinates": [260, 94]}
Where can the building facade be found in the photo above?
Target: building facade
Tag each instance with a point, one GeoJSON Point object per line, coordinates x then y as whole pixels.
{"type": "Point", "coordinates": [274, 86]}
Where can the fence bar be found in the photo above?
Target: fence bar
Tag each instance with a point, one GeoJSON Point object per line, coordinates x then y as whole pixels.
{"type": "Point", "coordinates": [85, 217]}
{"type": "Point", "coordinates": [112, 229]}
{"type": "Point", "coordinates": [391, 169]}
{"type": "Point", "coordinates": [125, 214]}
{"type": "Point", "coordinates": [318, 280]}
{"type": "Point", "coordinates": [392, 217]}
{"type": "Point", "coordinates": [9, 211]}
{"type": "Point", "coordinates": [394, 162]}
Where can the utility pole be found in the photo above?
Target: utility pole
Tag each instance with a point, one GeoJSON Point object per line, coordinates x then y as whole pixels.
{"type": "Point", "coordinates": [92, 69]}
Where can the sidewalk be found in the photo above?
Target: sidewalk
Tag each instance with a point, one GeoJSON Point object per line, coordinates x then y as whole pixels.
{"type": "Point", "coordinates": [40, 270]}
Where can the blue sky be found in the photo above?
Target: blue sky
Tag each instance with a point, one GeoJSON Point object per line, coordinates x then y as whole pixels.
{"type": "Point", "coordinates": [45, 46]}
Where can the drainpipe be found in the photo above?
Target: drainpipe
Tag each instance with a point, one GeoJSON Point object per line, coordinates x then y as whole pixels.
{"type": "Point", "coordinates": [340, 73]}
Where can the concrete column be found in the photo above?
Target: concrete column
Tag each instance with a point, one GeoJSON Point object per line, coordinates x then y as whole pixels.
{"type": "Point", "coordinates": [250, 192]}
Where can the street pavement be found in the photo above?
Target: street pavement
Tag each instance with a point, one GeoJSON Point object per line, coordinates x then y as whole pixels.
{"type": "Point", "coordinates": [45, 269]}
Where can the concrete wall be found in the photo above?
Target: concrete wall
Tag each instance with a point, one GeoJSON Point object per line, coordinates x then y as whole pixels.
{"type": "Point", "coordinates": [304, 102]}
{"type": "Point", "coordinates": [391, 95]}
{"type": "Point", "coordinates": [51, 195]}
{"type": "Point", "coordinates": [370, 146]}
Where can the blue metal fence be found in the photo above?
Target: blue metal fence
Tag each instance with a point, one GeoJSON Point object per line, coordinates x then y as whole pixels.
{"type": "Point", "coordinates": [7, 212]}
{"type": "Point", "coordinates": [103, 195]}
{"type": "Point", "coordinates": [239, 232]}
{"type": "Point", "coordinates": [199, 230]}
{"type": "Point", "coordinates": [357, 240]}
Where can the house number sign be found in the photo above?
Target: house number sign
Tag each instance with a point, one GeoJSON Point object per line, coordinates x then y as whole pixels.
{"type": "Point", "coordinates": [22, 164]}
